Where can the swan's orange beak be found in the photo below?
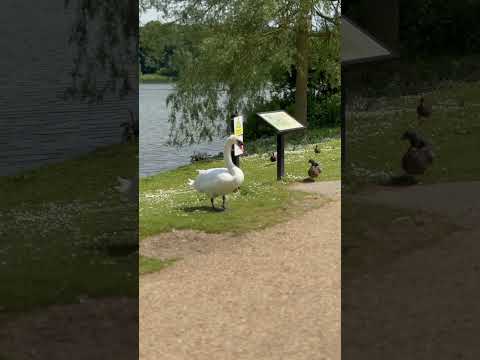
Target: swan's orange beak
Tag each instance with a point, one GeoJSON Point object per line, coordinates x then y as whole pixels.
{"type": "Point", "coordinates": [241, 145]}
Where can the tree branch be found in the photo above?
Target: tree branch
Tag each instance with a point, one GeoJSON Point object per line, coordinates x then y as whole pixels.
{"type": "Point", "coordinates": [330, 19]}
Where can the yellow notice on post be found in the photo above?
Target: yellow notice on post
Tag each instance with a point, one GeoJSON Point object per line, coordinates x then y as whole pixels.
{"type": "Point", "coordinates": [238, 123]}
{"type": "Point", "coordinates": [238, 131]}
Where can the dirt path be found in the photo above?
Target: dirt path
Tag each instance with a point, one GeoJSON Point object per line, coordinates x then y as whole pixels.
{"type": "Point", "coordinates": [423, 305]}
{"type": "Point", "coordinates": [271, 294]}
{"type": "Point", "coordinates": [460, 201]}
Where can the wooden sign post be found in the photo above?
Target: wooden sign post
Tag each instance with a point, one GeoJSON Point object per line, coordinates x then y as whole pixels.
{"type": "Point", "coordinates": [282, 123]}
{"type": "Point", "coordinates": [280, 156]}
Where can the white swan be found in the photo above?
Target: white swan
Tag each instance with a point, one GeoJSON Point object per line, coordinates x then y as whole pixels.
{"type": "Point", "coordinates": [220, 181]}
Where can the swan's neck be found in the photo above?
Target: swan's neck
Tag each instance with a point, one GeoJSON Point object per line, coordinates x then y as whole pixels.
{"type": "Point", "coordinates": [227, 155]}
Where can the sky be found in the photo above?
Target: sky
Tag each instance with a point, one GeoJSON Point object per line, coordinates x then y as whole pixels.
{"type": "Point", "coordinates": [149, 15]}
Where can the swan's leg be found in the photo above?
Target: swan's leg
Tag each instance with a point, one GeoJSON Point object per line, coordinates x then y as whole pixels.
{"type": "Point", "coordinates": [213, 205]}
{"type": "Point", "coordinates": [223, 203]}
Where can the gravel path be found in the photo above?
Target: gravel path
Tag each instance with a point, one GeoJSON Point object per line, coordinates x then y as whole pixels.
{"type": "Point", "coordinates": [329, 189]}
{"type": "Point", "coordinates": [271, 294]}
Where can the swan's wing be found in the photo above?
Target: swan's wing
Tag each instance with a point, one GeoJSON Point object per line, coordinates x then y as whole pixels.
{"type": "Point", "coordinates": [214, 181]}
{"type": "Point", "coordinates": [214, 170]}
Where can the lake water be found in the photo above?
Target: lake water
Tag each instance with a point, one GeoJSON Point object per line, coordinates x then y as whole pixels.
{"type": "Point", "coordinates": [155, 155]}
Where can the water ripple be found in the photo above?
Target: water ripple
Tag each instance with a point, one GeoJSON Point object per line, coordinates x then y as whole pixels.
{"type": "Point", "coordinates": [155, 155]}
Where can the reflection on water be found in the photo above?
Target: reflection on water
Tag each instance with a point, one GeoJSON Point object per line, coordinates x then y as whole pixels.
{"type": "Point", "coordinates": [155, 155]}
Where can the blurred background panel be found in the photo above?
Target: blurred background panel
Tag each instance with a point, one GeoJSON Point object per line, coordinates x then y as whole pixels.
{"type": "Point", "coordinates": [68, 170]}
{"type": "Point", "coordinates": [410, 184]}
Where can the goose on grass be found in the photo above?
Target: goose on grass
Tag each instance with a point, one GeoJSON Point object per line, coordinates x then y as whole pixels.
{"type": "Point", "coordinates": [220, 181]}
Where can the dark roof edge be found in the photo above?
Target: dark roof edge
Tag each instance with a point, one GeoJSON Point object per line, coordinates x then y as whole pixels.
{"type": "Point", "coordinates": [393, 54]}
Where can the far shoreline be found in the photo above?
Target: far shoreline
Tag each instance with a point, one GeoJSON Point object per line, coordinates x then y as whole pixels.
{"type": "Point", "coordinates": [156, 79]}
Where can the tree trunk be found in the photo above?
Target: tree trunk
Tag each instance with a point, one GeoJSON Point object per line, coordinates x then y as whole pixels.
{"type": "Point", "coordinates": [302, 62]}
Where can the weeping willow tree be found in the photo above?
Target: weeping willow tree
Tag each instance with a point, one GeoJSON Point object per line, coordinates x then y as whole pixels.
{"type": "Point", "coordinates": [245, 44]}
{"type": "Point", "coordinates": [104, 39]}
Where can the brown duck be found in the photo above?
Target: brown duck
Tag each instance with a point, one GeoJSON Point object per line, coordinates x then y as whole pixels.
{"type": "Point", "coordinates": [423, 111]}
{"type": "Point", "coordinates": [314, 170]}
{"type": "Point", "coordinates": [419, 157]}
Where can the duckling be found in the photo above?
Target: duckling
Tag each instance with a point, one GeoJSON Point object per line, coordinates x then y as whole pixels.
{"type": "Point", "coordinates": [317, 150]}
{"type": "Point", "coordinates": [273, 158]}
{"type": "Point", "coordinates": [423, 111]}
{"type": "Point", "coordinates": [314, 170]}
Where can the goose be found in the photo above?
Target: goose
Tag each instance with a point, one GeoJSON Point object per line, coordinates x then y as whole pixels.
{"type": "Point", "coordinates": [423, 111]}
{"type": "Point", "coordinates": [317, 150]}
{"type": "Point", "coordinates": [220, 181]}
{"type": "Point", "coordinates": [314, 170]}
{"type": "Point", "coordinates": [273, 158]}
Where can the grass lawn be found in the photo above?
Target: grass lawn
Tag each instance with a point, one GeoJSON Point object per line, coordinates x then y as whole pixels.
{"type": "Point", "coordinates": [167, 202]}
{"type": "Point", "coordinates": [148, 265]}
{"type": "Point", "coordinates": [374, 144]}
{"type": "Point", "coordinates": [59, 226]}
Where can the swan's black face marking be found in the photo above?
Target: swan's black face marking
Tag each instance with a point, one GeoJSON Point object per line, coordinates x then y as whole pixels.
{"type": "Point", "coordinates": [240, 144]}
